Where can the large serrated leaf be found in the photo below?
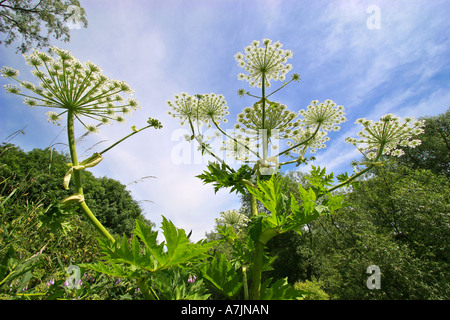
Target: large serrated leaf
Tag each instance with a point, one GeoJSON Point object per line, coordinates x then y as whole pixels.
{"type": "Point", "coordinates": [223, 276]}
{"type": "Point", "coordinates": [179, 249]}
{"type": "Point", "coordinates": [280, 290]}
{"type": "Point", "coordinates": [114, 269]}
{"type": "Point", "coordinates": [126, 259]}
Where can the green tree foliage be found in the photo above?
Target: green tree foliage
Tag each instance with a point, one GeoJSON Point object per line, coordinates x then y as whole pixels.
{"type": "Point", "coordinates": [34, 22]}
{"type": "Point", "coordinates": [38, 174]}
{"type": "Point", "coordinates": [35, 256]}
{"type": "Point", "coordinates": [434, 152]}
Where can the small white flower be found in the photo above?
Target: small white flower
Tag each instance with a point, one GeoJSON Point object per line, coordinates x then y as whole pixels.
{"type": "Point", "coordinates": [30, 102]}
{"type": "Point", "coordinates": [8, 72]}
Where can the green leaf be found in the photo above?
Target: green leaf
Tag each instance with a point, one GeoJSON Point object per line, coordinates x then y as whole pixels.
{"type": "Point", "coordinates": [223, 276]}
{"type": "Point", "coordinates": [115, 269]}
{"type": "Point", "coordinates": [279, 290]}
{"type": "Point", "coordinates": [319, 180]}
{"type": "Point", "coordinates": [270, 194]}
{"type": "Point", "coordinates": [11, 268]}
{"type": "Point", "coordinates": [179, 248]}
{"type": "Point", "coordinates": [223, 177]}
{"type": "Point", "coordinates": [130, 260]}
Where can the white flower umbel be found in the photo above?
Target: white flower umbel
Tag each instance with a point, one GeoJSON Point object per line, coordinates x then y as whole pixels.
{"type": "Point", "coordinates": [307, 140]}
{"type": "Point", "coordinates": [277, 117]}
{"type": "Point", "coordinates": [384, 136]}
{"type": "Point", "coordinates": [69, 86]}
{"type": "Point", "coordinates": [185, 107]}
{"type": "Point", "coordinates": [213, 108]}
{"type": "Point", "coordinates": [232, 218]}
{"type": "Point", "coordinates": [264, 63]}
{"type": "Point", "coordinates": [311, 132]}
{"type": "Point", "coordinates": [326, 114]}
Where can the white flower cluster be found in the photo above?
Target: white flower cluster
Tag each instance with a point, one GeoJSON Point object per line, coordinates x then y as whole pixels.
{"type": "Point", "coordinates": [233, 218]}
{"type": "Point", "coordinates": [185, 107]}
{"type": "Point", "coordinates": [384, 136]}
{"type": "Point", "coordinates": [318, 119]}
{"type": "Point", "coordinates": [326, 114]}
{"type": "Point", "coordinates": [277, 117]}
{"type": "Point", "coordinates": [241, 147]}
{"type": "Point", "coordinates": [68, 85]}
{"type": "Point", "coordinates": [279, 123]}
{"type": "Point", "coordinates": [206, 108]}
{"type": "Point", "coordinates": [263, 64]}
{"type": "Point", "coordinates": [307, 139]}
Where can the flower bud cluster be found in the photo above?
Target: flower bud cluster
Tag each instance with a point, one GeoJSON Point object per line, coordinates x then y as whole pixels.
{"type": "Point", "coordinates": [384, 136]}
{"type": "Point", "coordinates": [264, 63]}
{"type": "Point", "coordinates": [68, 85]}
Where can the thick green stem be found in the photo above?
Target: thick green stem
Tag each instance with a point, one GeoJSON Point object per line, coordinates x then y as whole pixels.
{"type": "Point", "coordinates": [77, 178]}
{"type": "Point", "coordinates": [244, 272]}
{"type": "Point", "coordinates": [254, 205]}
{"type": "Point", "coordinates": [255, 289]}
{"type": "Point", "coordinates": [264, 130]}
{"type": "Point", "coordinates": [143, 287]}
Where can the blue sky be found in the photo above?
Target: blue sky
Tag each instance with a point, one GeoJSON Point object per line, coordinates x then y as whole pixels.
{"type": "Point", "coordinates": [161, 48]}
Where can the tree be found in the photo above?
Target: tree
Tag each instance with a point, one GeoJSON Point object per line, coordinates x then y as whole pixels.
{"type": "Point", "coordinates": [397, 221]}
{"type": "Point", "coordinates": [434, 152]}
{"type": "Point", "coordinates": [34, 22]}
{"type": "Point", "coordinates": [38, 175]}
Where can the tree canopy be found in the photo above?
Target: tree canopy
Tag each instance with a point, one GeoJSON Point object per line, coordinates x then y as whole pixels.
{"type": "Point", "coordinates": [34, 22]}
{"type": "Point", "coordinates": [39, 174]}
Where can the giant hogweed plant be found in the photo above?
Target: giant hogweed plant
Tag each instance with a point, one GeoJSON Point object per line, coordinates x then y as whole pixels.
{"type": "Point", "coordinates": [80, 93]}
{"type": "Point", "coordinates": [267, 126]}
